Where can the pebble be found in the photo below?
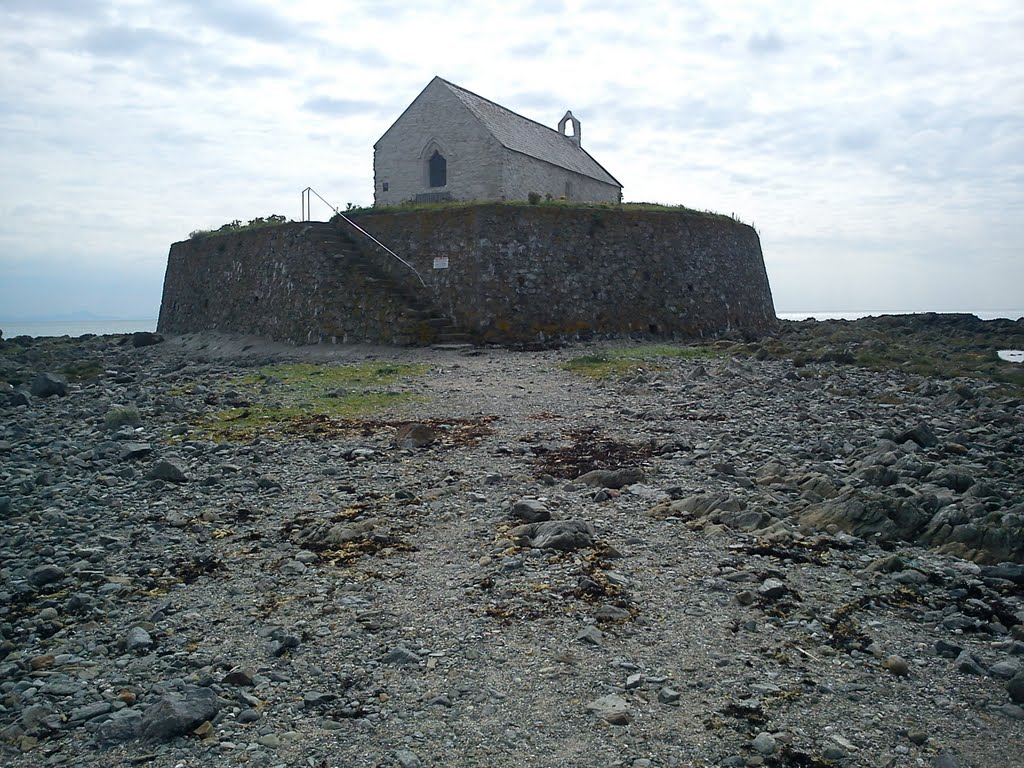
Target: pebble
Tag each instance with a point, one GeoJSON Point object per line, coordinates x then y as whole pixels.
{"type": "Point", "coordinates": [239, 676]}
{"type": "Point", "coordinates": [765, 743]}
{"type": "Point", "coordinates": [590, 635]}
{"type": "Point", "coordinates": [248, 716]}
{"type": "Point", "coordinates": [167, 470]}
{"type": "Point", "coordinates": [402, 656]}
{"type": "Point", "coordinates": [668, 695]}
{"type": "Point", "coordinates": [771, 589]}
{"type": "Point", "coordinates": [611, 708]}
{"type": "Point", "coordinates": [896, 665]}
{"type": "Point", "coordinates": [138, 640]}
{"type": "Point", "coordinates": [406, 758]}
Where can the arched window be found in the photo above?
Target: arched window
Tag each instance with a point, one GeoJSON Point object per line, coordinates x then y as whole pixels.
{"type": "Point", "coordinates": [437, 168]}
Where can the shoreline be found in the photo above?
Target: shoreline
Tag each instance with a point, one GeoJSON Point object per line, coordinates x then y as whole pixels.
{"type": "Point", "coordinates": [77, 329]}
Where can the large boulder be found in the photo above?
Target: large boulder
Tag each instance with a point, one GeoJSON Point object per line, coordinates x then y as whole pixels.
{"type": "Point", "coordinates": [146, 339]}
{"type": "Point", "coordinates": [176, 714]}
{"type": "Point", "coordinates": [869, 515]}
{"type": "Point", "coordinates": [566, 535]}
{"type": "Point", "coordinates": [49, 384]}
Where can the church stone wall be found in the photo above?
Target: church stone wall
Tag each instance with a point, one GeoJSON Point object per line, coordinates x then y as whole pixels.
{"type": "Point", "coordinates": [514, 273]}
{"type": "Point", "coordinates": [523, 174]}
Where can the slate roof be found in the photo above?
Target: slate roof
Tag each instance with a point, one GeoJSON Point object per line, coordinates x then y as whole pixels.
{"type": "Point", "coordinates": [520, 134]}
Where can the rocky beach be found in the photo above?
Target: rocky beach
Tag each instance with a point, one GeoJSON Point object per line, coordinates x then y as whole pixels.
{"type": "Point", "coordinates": [804, 550]}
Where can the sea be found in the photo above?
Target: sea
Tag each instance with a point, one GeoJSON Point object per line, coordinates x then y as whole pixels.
{"type": "Point", "coordinates": [982, 314]}
{"type": "Point", "coordinates": [74, 328]}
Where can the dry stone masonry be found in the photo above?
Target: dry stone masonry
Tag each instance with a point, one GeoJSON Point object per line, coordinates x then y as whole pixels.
{"type": "Point", "coordinates": [491, 273]}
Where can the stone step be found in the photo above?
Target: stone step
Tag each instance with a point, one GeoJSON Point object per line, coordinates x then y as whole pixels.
{"type": "Point", "coordinates": [452, 346]}
{"type": "Point", "coordinates": [418, 313]}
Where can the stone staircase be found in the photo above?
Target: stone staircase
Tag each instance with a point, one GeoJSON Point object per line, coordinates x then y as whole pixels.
{"type": "Point", "coordinates": [420, 321]}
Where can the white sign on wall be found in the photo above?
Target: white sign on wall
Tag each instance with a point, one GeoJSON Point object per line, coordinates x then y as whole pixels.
{"type": "Point", "coordinates": [440, 262]}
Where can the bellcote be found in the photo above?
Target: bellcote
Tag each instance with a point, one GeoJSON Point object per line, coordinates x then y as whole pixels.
{"type": "Point", "coordinates": [575, 135]}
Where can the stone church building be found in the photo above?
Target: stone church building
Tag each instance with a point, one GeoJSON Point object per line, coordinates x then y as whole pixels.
{"type": "Point", "coordinates": [451, 144]}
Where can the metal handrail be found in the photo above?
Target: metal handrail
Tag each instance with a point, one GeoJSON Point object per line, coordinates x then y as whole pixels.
{"type": "Point", "coordinates": [346, 219]}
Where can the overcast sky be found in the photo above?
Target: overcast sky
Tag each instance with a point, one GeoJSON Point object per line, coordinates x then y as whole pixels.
{"type": "Point", "coordinates": [877, 147]}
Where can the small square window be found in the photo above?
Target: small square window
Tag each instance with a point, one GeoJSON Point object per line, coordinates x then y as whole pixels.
{"type": "Point", "coordinates": [384, 186]}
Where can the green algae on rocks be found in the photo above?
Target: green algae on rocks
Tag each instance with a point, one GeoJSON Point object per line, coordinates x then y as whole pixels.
{"type": "Point", "coordinates": [281, 399]}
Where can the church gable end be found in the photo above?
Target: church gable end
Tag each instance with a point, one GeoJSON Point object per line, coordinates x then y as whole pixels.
{"type": "Point", "coordinates": [437, 150]}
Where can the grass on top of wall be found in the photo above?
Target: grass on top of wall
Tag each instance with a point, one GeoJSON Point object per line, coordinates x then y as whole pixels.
{"type": "Point", "coordinates": [409, 207]}
{"type": "Point", "coordinates": [274, 220]}
{"type": "Point", "coordinates": [233, 227]}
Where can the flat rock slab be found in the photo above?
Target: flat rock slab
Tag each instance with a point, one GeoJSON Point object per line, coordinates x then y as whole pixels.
{"type": "Point", "coordinates": [611, 478]}
{"type": "Point", "coordinates": [611, 708]}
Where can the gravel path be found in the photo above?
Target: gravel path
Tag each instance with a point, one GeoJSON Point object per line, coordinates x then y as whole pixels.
{"type": "Point", "coordinates": [778, 566]}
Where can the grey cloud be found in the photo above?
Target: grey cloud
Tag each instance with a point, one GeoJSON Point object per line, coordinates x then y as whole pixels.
{"type": "Point", "coordinates": [174, 137]}
{"type": "Point", "coordinates": [763, 44]}
{"type": "Point", "coordinates": [802, 135]}
{"type": "Point", "coordinates": [542, 106]}
{"type": "Point", "coordinates": [360, 57]}
{"type": "Point", "coordinates": [246, 19]}
{"type": "Point", "coordinates": [750, 180]}
{"type": "Point", "coordinates": [167, 58]}
{"type": "Point", "coordinates": [980, 121]}
{"type": "Point", "coordinates": [392, 10]}
{"type": "Point", "coordinates": [325, 105]}
{"type": "Point", "coordinates": [235, 72]}
{"type": "Point", "coordinates": [720, 42]}
{"type": "Point", "coordinates": [130, 42]}
{"type": "Point", "coordinates": [857, 139]}
{"type": "Point", "coordinates": [896, 52]}
{"type": "Point", "coordinates": [529, 50]}
{"type": "Point", "coordinates": [598, 6]}
{"type": "Point", "coordinates": [545, 7]}
{"type": "Point", "coordinates": [679, 115]}
{"type": "Point", "coordinates": [78, 9]}
{"type": "Point", "coordinates": [939, 142]}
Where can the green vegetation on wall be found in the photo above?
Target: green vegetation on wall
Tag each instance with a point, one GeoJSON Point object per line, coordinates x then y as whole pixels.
{"type": "Point", "coordinates": [237, 226]}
